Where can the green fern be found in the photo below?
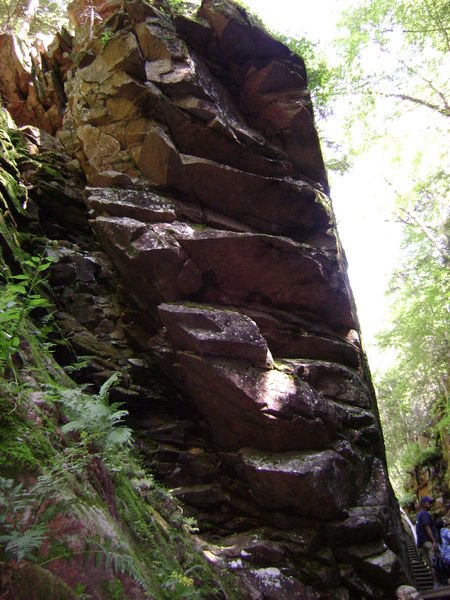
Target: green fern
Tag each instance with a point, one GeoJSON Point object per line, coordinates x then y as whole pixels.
{"type": "Point", "coordinates": [103, 394]}
{"type": "Point", "coordinates": [99, 423]}
{"type": "Point", "coordinates": [115, 556]}
{"type": "Point", "coordinates": [22, 535]}
{"type": "Point", "coordinates": [24, 544]}
{"type": "Point", "coordinates": [19, 296]}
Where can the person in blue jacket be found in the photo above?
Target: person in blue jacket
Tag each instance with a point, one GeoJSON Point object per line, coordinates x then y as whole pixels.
{"type": "Point", "coordinates": [426, 535]}
{"type": "Point", "coordinates": [444, 547]}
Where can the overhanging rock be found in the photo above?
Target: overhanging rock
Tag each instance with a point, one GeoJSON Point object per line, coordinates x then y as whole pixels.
{"type": "Point", "coordinates": [208, 191]}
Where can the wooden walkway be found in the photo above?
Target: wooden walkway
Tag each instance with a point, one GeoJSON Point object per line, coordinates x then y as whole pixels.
{"type": "Point", "coordinates": [421, 573]}
{"type": "Point", "coordinates": [422, 576]}
{"type": "Point", "coordinates": [443, 593]}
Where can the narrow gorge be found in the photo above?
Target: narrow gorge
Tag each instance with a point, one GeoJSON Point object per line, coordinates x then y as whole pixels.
{"type": "Point", "coordinates": [174, 176]}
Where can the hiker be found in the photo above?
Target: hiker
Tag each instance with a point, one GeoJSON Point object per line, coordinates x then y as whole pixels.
{"type": "Point", "coordinates": [426, 535]}
{"type": "Point", "coordinates": [444, 547]}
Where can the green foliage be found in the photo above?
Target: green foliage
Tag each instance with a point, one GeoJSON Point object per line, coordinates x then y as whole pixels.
{"type": "Point", "coordinates": [79, 590]}
{"type": "Point", "coordinates": [32, 17]}
{"type": "Point", "coordinates": [21, 535]}
{"type": "Point", "coordinates": [24, 545]}
{"type": "Point", "coordinates": [179, 586]}
{"type": "Point", "coordinates": [98, 422]}
{"type": "Point", "coordinates": [116, 556]}
{"type": "Point", "coordinates": [421, 22]}
{"type": "Point", "coordinates": [21, 448]}
{"type": "Point", "coordinates": [176, 5]}
{"type": "Point", "coordinates": [114, 590]}
{"type": "Point", "coordinates": [406, 499]}
{"type": "Point", "coordinates": [393, 58]}
{"type": "Point", "coordinates": [413, 392]}
{"type": "Point", "coordinates": [20, 295]}
{"type": "Point", "coordinates": [24, 446]}
{"type": "Point", "coordinates": [187, 8]}
{"type": "Point", "coordinates": [105, 37]}
{"type": "Point", "coordinates": [160, 526]}
{"type": "Point", "coordinates": [414, 455]}
{"type": "Point", "coordinates": [25, 512]}
{"type": "Point", "coordinates": [13, 194]}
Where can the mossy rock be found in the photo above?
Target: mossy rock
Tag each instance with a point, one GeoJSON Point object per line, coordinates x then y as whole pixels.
{"type": "Point", "coordinates": [32, 582]}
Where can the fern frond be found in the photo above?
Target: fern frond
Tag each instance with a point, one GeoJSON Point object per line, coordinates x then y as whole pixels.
{"type": "Point", "coordinates": [119, 436]}
{"type": "Point", "coordinates": [109, 383]}
{"type": "Point", "coordinates": [23, 545]}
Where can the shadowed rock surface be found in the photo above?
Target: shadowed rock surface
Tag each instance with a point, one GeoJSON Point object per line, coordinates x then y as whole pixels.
{"type": "Point", "coordinates": [220, 292]}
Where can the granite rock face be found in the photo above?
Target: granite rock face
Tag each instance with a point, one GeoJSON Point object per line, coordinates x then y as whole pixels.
{"type": "Point", "coordinates": [208, 193]}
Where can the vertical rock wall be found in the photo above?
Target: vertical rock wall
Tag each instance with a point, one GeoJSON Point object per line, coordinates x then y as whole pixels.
{"type": "Point", "coordinates": [207, 189]}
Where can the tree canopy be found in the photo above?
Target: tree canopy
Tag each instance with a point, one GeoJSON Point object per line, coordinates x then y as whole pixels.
{"type": "Point", "coordinates": [413, 392]}
{"type": "Point", "coordinates": [399, 50]}
{"type": "Point", "coordinates": [396, 61]}
{"type": "Point", "coordinates": [29, 17]}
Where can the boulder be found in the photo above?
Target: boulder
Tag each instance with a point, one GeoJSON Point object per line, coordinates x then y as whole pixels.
{"type": "Point", "coordinates": [354, 529]}
{"type": "Point", "coordinates": [111, 178]}
{"type": "Point", "coordinates": [334, 381]}
{"type": "Point", "coordinates": [317, 484]}
{"type": "Point", "coordinates": [141, 11]}
{"type": "Point", "coordinates": [271, 271]}
{"type": "Point", "coordinates": [271, 584]}
{"type": "Point", "coordinates": [200, 127]}
{"type": "Point", "coordinates": [252, 547]}
{"type": "Point", "coordinates": [206, 191]}
{"type": "Point", "coordinates": [139, 204]}
{"type": "Point", "coordinates": [238, 35]}
{"type": "Point", "coordinates": [158, 41]}
{"type": "Point", "coordinates": [376, 493]}
{"type": "Point", "coordinates": [407, 592]}
{"type": "Point", "coordinates": [31, 581]}
{"type": "Point", "coordinates": [210, 331]}
{"type": "Point", "coordinates": [148, 258]}
{"type": "Point", "coordinates": [122, 53]}
{"type": "Point", "coordinates": [101, 149]}
{"type": "Point", "coordinates": [372, 560]}
{"type": "Point", "coordinates": [201, 495]}
{"type": "Point", "coordinates": [159, 160]}
{"type": "Point", "coordinates": [293, 338]}
{"type": "Point", "coordinates": [289, 208]}
{"type": "Point", "coordinates": [264, 408]}
{"type": "Point", "coordinates": [30, 95]}
{"type": "Point", "coordinates": [271, 85]}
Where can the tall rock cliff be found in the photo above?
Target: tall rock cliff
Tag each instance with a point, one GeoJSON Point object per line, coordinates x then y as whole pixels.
{"type": "Point", "coordinates": [207, 191]}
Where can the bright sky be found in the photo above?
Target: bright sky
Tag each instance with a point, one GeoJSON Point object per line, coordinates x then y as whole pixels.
{"type": "Point", "coordinates": [361, 197]}
{"type": "Point", "coordinates": [314, 19]}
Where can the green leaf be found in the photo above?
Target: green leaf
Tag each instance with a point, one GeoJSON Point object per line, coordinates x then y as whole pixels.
{"type": "Point", "coordinates": [109, 383]}
{"type": "Point", "coordinates": [17, 289]}
{"type": "Point", "coordinates": [43, 267]}
{"type": "Point", "coordinates": [24, 545]}
{"type": "Point", "coordinates": [35, 302]}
